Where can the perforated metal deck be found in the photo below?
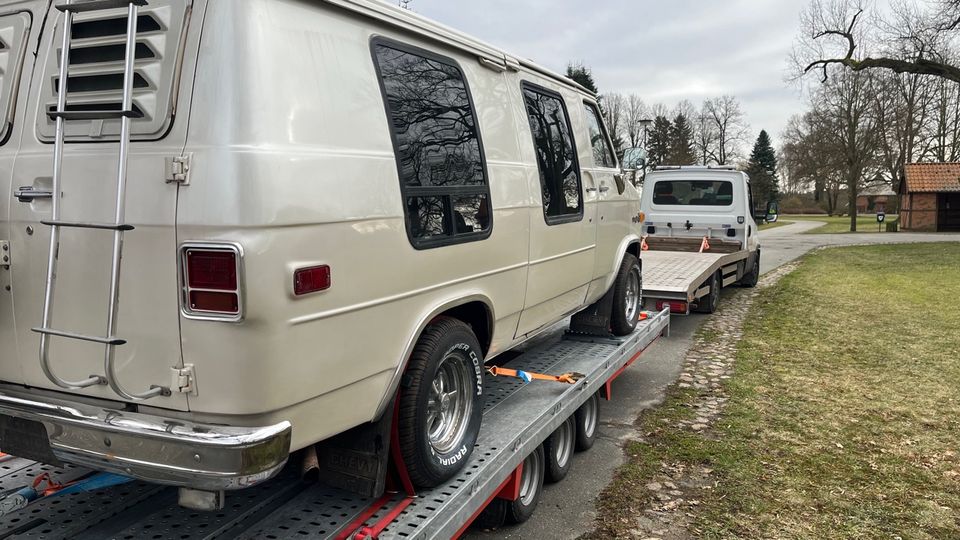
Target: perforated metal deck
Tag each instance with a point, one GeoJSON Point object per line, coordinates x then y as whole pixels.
{"type": "Point", "coordinates": [677, 275]}
{"type": "Point", "coordinates": [517, 418]}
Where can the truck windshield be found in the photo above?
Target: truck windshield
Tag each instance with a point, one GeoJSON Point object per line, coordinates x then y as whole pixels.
{"type": "Point", "coordinates": [693, 193]}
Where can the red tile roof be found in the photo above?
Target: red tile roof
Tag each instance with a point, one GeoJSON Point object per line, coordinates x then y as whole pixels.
{"type": "Point", "coordinates": [932, 177]}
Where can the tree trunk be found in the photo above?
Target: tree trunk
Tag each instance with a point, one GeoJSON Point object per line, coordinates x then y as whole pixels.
{"type": "Point", "coordinates": [852, 201]}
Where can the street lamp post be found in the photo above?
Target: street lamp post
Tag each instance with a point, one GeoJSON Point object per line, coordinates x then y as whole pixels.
{"type": "Point", "coordinates": [645, 124]}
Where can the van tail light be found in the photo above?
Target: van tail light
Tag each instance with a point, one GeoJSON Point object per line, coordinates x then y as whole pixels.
{"type": "Point", "coordinates": [211, 281]}
{"type": "Point", "coordinates": [675, 306]}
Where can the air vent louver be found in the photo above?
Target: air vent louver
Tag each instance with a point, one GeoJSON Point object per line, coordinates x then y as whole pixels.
{"type": "Point", "coordinates": [95, 81]}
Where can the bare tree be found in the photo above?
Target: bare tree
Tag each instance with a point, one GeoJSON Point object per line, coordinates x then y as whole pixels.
{"type": "Point", "coordinates": [614, 111]}
{"type": "Point", "coordinates": [730, 127]}
{"type": "Point", "coordinates": [635, 111]}
{"type": "Point", "coordinates": [704, 135]}
{"type": "Point", "coordinates": [845, 117]}
{"type": "Point", "coordinates": [914, 40]}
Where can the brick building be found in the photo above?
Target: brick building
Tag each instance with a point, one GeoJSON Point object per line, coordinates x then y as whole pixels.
{"type": "Point", "coordinates": [930, 197]}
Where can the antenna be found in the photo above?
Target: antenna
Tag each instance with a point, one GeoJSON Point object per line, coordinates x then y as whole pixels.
{"type": "Point", "coordinates": [405, 4]}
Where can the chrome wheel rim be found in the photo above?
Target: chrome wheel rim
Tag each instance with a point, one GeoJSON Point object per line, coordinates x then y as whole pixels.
{"type": "Point", "coordinates": [589, 417]}
{"type": "Point", "coordinates": [564, 447]}
{"type": "Point", "coordinates": [530, 479]}
{"type": "Point", "coordinates": [632, 294]}
{"type": "Point", "coordinates": [449, 404]}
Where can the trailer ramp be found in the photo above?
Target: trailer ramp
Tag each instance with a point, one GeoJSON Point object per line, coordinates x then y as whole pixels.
{"type": "Point", "coordinates": [517, 418]}
{"type": "Point", "coordinates": [675, 275]}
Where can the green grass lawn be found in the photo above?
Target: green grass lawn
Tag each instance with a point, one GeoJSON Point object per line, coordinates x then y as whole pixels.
{"type": "Point", "coordinates": [837, 225]}
{"type": "Point", "coordinates": [844, 411]}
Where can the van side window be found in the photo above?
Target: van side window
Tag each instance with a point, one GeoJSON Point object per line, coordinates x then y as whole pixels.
{"type": "Point", "coordinates": [14, 31]}
{"type": "Point", "coordinates": [439, 154]}
{"type": "Point", "coordinates": [556, 155]}
{"type": "Point", "coordinates": [602, 153]}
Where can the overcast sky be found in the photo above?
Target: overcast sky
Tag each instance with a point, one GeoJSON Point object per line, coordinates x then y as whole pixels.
{"type": "Point", "coordinates": [665, 50]}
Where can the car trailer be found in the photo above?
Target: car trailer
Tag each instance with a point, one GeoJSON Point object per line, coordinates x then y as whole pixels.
{"type": "Point", "coordinates": [676, 279]}
{"type": "Point", "coordinates": [519, 416]}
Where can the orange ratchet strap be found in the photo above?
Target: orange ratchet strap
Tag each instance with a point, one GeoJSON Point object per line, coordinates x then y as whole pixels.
{"type": "Point", "coordinates": [526, 376]}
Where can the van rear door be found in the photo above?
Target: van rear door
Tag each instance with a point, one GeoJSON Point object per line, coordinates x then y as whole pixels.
{"type": "Point", "coordinates": [18, 30]}
{"type": "Point", "coordinates": [148, 301]}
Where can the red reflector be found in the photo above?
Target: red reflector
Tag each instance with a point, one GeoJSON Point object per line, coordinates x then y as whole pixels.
{"type": "Point", "coordinates": [308, 280]}
{"type": "Point", "coordinates": [220, 302]}
{"type": "Point", "coordinates": [675, 307]}
{"type": "Point", "coordinates": [212, 270]}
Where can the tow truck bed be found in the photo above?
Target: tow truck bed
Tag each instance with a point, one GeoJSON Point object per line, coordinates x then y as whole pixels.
{"type": "Point", "coordinates": [517, 418]}
{"type": "Point", "coordinates": [675, 275]}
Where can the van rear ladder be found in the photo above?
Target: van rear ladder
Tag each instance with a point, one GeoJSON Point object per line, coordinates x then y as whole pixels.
{"type": "Point", "coordinates": [62, 115]}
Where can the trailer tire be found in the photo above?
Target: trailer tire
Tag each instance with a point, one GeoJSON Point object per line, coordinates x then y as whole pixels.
{"type": "Point", "coordinates": [750, 280]}
{"type": "Point", "coordinates": [441, 402]}
{"type": "Point", "coordinates": [587, 420]}
{"type": "Point", "coordinates": [493, 516]}
{"type": "Point", "coordinates": [710, 302]}
{"type": "Point", "coordinates": [558, 450]}
{"type": "Point", "coordinates": [627, 296]}
{"type": "Point", "coordinates": [531, 487]}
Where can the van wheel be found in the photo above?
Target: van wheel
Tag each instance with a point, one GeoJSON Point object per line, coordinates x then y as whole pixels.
{"type": "Point", "coordinates": [441, 402]}
{"type": "Point", "coordinates": [627, 296]}
{"type": "Point", "coordinates": [531, 487]}
{"type": "Point", "coordinates": [710, 302]}
{"type": "Point", "coordinates": [750, 280]}
{"type": "Point", "coordinates": [587, 419]}
{"type": "Point", "coordinates": [558, 449]}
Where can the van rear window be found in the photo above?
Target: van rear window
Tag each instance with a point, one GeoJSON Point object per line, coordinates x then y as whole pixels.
{"type": "Point", "coordinates": [693, 193]}
{"type": "Point", "coordinates": [439, 155]}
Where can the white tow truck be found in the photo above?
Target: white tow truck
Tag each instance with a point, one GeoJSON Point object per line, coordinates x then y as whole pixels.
{"type": "Point", "coordinates": [700, 235]}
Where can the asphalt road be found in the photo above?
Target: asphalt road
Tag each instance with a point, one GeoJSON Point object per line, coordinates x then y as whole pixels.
{"type": "Point", "coordinates": [566, 510]}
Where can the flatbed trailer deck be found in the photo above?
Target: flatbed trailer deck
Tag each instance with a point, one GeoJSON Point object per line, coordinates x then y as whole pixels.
{"type": "Point", "coordinates": [676, 276]}
{"type": "Point", "coordinates": [517, 418]}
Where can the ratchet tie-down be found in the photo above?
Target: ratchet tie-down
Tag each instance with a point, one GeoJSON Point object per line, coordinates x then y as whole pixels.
{"type": "Point", "coordinates": [44, 486]}
{"type": "Point", "coordinates": [527, 377]}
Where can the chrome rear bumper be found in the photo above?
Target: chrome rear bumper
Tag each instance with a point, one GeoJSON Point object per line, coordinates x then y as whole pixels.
{"type": "Point", "coordinates": [153, 448]}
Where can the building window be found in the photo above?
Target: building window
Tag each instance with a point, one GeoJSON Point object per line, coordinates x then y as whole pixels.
{"type": "Point", "coordinates": [437, 143]}
{"type": "Point", "coordinates": [602, 153]}
{"type": "Point", "coordinates": [556, 155]}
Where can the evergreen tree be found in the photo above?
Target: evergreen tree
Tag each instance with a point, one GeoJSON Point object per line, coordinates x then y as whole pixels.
{"type": "Point", "coordinates": [762, 169]}
{"type": "Point", "coordinates": [681, 150]}
{"type": "Point", "coordinates": [658, 142]}
{"type": "Point", "coordinates": [582, 75]}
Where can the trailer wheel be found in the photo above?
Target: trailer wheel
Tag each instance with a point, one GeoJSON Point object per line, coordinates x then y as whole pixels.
{"type": "Point", "coordinates": [558, 450]}
{"type": "Point", "coordinates": [627, 296]}
{"type": "Point", "coordinates": [587, 419]}
{"type": "Point", "coordinates": [493, 516]}
{"type": "Point", "coordinates": [441, 402]}
{"type": "Point", "coordinates": [750, 280]}
{"type": "Point", "coordinates": [531, 487]}
{"type": "Point", "coordinates": [710, 302]}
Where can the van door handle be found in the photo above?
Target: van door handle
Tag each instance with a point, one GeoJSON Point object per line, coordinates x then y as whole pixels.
{"type": "Point", "coordinates": [591, 190]}
{"type": "Point", "coordinates": [604, 189]}
{"type": "Point", "coordinates": [27, 194]}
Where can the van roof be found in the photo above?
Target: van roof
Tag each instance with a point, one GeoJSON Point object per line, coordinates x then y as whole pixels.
{"type": "Point", "coordinates": [488, 55]}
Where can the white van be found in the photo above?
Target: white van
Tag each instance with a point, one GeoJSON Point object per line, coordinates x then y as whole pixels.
{"type": "Point", "coordinates": [322, 206]}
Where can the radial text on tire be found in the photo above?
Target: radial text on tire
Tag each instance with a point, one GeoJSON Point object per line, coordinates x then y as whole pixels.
{"type": "Point", "coordinates": [441, 402]}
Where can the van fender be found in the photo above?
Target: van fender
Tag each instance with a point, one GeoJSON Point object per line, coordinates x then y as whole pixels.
{"type": "Point", "coordinates": [422, 323]}
{"type": "Point", "coordinates": [625, 244]}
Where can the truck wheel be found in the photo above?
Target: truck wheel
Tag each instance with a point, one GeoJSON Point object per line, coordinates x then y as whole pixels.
{"type": "Point", "coordinates": [531, 486]}
{"type": "Point", "coordinates": [587, 419]}
{"type": "Point", "coordinates": [710, 302]}
{"type": "Point", "coordinates": [627, 295]}
{"type": "Point", "coordinates": [558, 449]}
{"type": "Point", "coordinates": [441, 402]}
{"type": "Point", "coordinates": [492, 517]}
{"type": "Point", "coordinates": [750, 280]}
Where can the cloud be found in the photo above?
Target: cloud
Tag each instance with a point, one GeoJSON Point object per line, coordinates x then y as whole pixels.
{"type": "Point", "coordinates": [663, 51]}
